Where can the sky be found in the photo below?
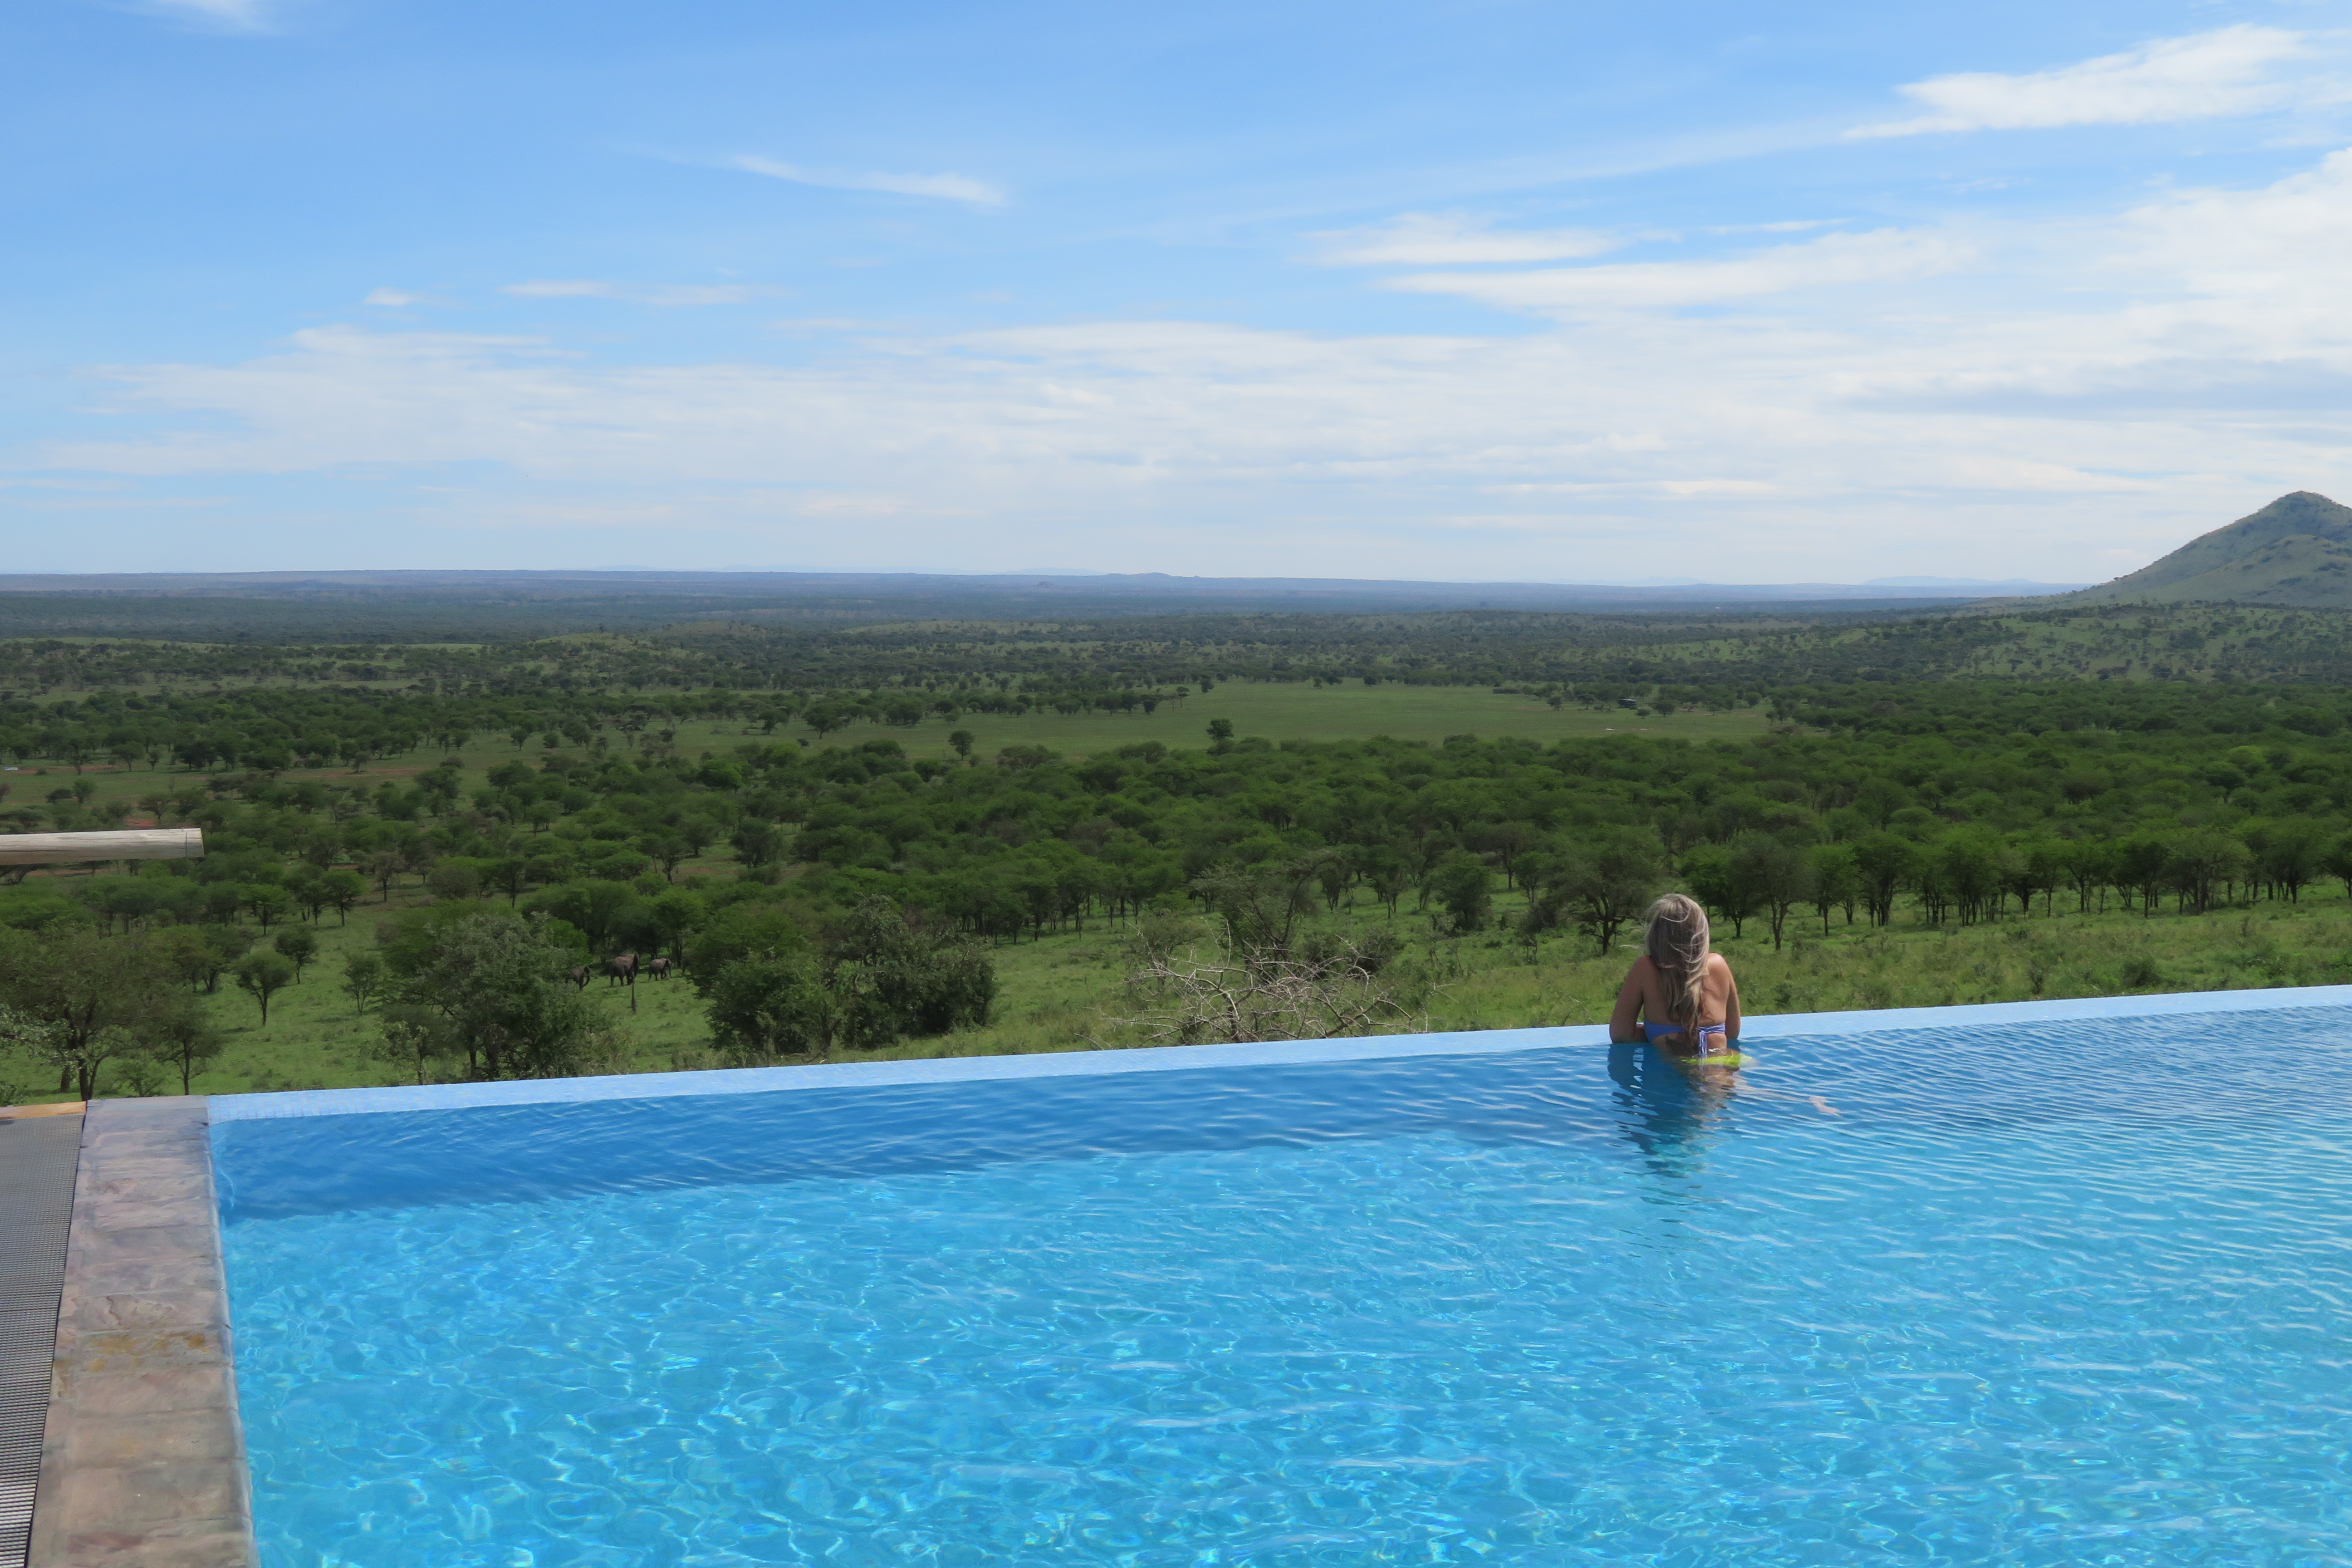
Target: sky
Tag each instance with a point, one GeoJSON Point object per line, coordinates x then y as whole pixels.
{"type": "Point", "coordinates": [1760, 292]}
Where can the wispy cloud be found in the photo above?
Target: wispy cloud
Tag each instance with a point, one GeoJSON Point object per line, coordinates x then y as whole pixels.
{"type": "Point", "coordinates": [667, 294]}
{"type": "Point", "coordinates": [1837, 258]}
{"type": "Point", "coordinates": [2204, 76]}
{"type": "Point", "coordinates": [234, 16]}
{"type": "Point", "coordinates": [940, 187]}
{"type": "Point", "coordinates": [1451, 239]}
{"type": "Point", "coordinates": [1852, 430]}
{"type": "Point", "coordinates": [392, 299]}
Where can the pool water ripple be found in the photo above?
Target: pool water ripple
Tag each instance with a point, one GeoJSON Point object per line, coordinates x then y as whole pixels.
{"type": "Point", "coordinates": [2030, 1298]}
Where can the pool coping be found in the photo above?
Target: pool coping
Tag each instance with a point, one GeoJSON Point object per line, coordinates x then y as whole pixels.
{"type": "Point", "coordinates": [142, 1459]}
{"type": "Point", "coordinates": [230, 1108]}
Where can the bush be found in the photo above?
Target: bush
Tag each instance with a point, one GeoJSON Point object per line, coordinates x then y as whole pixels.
{"type": "Point", "coordinates": [765, 1007]}
{"type": "Point", "coordinates": [490, 984]}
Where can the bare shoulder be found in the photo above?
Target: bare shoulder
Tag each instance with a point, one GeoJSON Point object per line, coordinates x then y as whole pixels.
{"type": "Point", "coordinates": [1718, 964]}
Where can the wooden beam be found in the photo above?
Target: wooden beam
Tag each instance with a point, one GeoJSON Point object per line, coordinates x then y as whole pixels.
{"type": "Point", "coordinates": [129, 844]}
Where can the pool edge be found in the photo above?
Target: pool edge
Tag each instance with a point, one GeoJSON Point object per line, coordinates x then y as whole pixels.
{"type": "Point", "coordinates": [142, 1459]}
{"type": "Point", "coordinates": [230, 1108]}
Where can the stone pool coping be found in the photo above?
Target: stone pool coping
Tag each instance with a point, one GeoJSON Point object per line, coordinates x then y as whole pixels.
{"type": "Point", "coordinates": [1178, 1058]}
{"type": "Point", "coordinates": [142, 1461]}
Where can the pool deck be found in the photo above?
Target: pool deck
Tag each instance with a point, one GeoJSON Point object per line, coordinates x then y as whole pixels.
{"type": "Point", "coordinates": [38, 1152]}
{"type": "Point", "coordinates": [143, 1465]}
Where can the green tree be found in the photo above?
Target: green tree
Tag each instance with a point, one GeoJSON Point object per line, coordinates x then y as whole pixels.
{"type": "Point", "coordinates": [459, 879]}
{"type": "Point", "coordinates": [363, 978]}
{"type": "Point", "coordinates": [757, 843]}
{"type": "Point", "coordinates": [1463, 888]}
{"type": "Point", "coordinates": [261, 974]}
{"type": "Point", "coordinates": [963, 741]}
{"type": "Point", "coordinates": [509, 873]}
{"type": "Point", "coordinates": [298, 945]}
{"type": "Point", "coordinates": [341, 888]}
{"type": "Point", "coordinates": [184, 1040]}
{"type": "Point", "coordinates": [899, 977]}
{"type": "Point", "coordinates": [2289, 855]}
{"type": "Point", "coordinates": [266, 903]}
{"type": "Point", "coordinates": [667, 850]}
{"type": "Point", "coordinates": [1600, 884]}
{"type": "Point", "coordinates": [2090, 867]}
{"type": "Point", "coordinates": [744, 930]}
{"type": "Point", "coordinates": [1833, 879]}
{"type": "Point", "coordinates": [79, 999]}
{"type": "Point", "coordinates": [1776, 875]}
{"type": "Point", "coordinates": [1883, 863]}
{"type": "Point", "coordinates": [2143, 865]}
{"type": "Point", "coordinates": [1726, 885]}
{"type": "Point", "coordinates": [669, 917]}
{"type": "Point", "coordinates": [491, 986]}
{"type": "Point", "coordinates": [769, 1005]}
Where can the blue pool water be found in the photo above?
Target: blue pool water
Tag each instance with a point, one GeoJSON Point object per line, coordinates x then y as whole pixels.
{"type": "Point", "coordinates": [2035, 1296]}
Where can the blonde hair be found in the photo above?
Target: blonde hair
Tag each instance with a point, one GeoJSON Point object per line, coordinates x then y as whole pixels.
{"type": "Point", "coordinates": [1678, 945]}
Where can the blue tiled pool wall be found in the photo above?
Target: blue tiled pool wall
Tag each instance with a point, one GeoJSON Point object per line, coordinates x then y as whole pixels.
{"type": "Point", "coordinates": [2167, 1065]}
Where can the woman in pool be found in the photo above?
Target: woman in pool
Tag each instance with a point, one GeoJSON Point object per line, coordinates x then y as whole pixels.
{"type": "Point", "coordinates": [1680, 996]}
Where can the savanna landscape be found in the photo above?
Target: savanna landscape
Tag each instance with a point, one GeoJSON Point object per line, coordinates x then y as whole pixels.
{"type": "Point", "coordinates": [730, 841]}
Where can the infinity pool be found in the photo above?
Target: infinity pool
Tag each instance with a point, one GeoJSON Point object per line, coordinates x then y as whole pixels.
{"type": "Point", "coordinates": [2062, 1293]}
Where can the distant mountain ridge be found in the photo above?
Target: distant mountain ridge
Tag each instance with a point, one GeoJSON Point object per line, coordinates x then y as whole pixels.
{"type": "Point", "coordinates": [2296, 553]}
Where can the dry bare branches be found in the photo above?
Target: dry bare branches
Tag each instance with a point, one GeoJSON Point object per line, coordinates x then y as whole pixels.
{"type": "Point", "coordinates": [1260, 994]}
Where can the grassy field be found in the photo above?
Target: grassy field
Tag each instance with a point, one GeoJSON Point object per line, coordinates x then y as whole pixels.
{"type": "Point", "coordinates": [1292, 711]}
{"type": "Point", "coordinates": [1065, 992]}
{"type": "Point", "coordinates": [1297, 712]}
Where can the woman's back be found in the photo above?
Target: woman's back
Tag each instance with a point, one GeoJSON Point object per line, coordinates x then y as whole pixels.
{"type": "Point", "coordinates": [1680, 994]}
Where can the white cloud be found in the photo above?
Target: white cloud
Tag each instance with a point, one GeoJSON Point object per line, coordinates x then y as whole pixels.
{"type": "Point", "coordinates": [940, 188]}
{"type": "Point", "coordinates": [562, 288]}
{"type": "Point", "coordinates": [237, 15]}
{"type": "Point", "coordinates": [1427, 239]}
{"type": "Point", "coordinates": [2084, 384]}
{"type": "Point", "coordinates": [2231, 70]}
{"type": "Point", "coordinates": [666, 295]}
{"type": "Point", "coordinates": [392, 299]}
{"type": "Point", "coordinates": [1881, 256]}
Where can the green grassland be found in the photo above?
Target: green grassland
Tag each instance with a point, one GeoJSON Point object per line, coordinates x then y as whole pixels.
{"type": "Point", "coordinates": [1286, 710]}
{"type": "Point", "coordinates": [1065, 993]}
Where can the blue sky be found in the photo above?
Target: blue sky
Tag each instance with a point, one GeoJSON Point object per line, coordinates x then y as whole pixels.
{"type": "Point", "coordinates": [1744, 293]}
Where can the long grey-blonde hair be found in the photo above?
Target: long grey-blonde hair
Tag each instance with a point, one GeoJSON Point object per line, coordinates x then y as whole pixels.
{"type": "Point", "coordinates": [1677, 944]}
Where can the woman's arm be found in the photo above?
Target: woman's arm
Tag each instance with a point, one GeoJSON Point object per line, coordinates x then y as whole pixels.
{"type": "Point", "coordinates": [1730, 1002]}
{"type": "Point", "coordinates": [1622, 1029]}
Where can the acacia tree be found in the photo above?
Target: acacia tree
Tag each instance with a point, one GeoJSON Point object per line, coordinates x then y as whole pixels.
{"type": "Point", "coordinates": [1601, 885]}
{"type": "Point", "coordinates": [492, 986]}
{"type": "Point", "coordinates": [79, 1000]}
{"type": "Point", "coordinates": [1465, 888]}
{"type": "Point", "coordinates": [1835, 879]}
{"type": "Point", "coordinates": [1776, 875]}
{"type": "Point", "coordinates": [262, 974]}
{"type": "Point", "coordinates": [186, 1041]}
